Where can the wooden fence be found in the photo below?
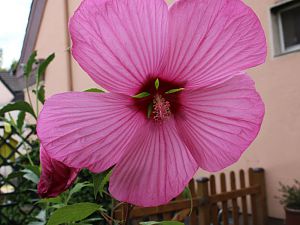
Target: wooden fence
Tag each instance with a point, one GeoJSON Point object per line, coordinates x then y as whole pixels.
{"type": "Point", "coordinates": [243, 204]}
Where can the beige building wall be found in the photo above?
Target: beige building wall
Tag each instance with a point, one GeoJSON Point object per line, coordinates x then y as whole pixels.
{"type": "Point", "coordinates": [277, 148]}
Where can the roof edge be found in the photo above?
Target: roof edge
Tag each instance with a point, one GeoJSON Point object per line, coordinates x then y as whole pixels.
{"type": "Point", "coordinates": [32, 30]}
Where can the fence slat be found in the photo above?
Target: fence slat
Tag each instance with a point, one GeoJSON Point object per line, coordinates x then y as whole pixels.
{"type": "Point", "coordinates": [214, 207]}
{"type": "Point", "coordinates": [225, 196]}
{"type": "Point", "coordinates": [202, 188]}
{"type": "Point", "coordinates": [244, 198]}
{"type": "Point", "coordinates": [224, 203]}
{"type": "Point", "coordinates": [252, 197]}
{"type": "Point", "coordinates": [235, 209]}
{"type": "Point", "coordinates": [193, 217]}
{"type": "Point", "coordinates": [206, 202]}
{"type": "Point", "coordinates": [260, 202]}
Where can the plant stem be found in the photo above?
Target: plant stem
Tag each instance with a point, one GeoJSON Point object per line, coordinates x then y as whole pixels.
{"type": "Point", "coordinates": [37, 98]}
{"type": "Point", "coordinates": [28, 94]}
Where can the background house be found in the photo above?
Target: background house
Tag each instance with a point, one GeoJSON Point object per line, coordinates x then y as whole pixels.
{"type": "Point", "coordinates": [7, 94]}
{"type": "Point", "coordinates": [277, 147]}
{"type": "Point", "coordinates": [12, 88]}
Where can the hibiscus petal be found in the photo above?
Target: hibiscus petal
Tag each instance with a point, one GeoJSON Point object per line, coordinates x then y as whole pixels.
{"type": "Point", "coordinates": [156, 167]}
{"type": "Point", "coordinates": [210, 40]}
{"type": "Point", "coordinates": [119, 43]}
{"type": "Point", "coordinates": [219, 123]}
{"type": "Point", "coordinates": [55, 177]}
{"type": "Point", "coordinates": [88, 130]}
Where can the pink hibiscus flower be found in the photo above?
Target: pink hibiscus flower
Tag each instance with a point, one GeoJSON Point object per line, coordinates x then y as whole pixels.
{"type": "Point", "coordinates": [55, 177]}
{"type": "Point", "coordinates": [204, 112]}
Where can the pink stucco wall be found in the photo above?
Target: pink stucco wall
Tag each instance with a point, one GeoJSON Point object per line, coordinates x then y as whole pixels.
{"type": "Point", "coordinates": [277, 148]}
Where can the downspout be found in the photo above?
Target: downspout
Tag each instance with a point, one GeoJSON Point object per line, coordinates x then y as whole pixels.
{"type": "Point", "coordinates": [68, 46]}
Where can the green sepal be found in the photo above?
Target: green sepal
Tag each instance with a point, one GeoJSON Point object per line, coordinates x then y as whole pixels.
{"type": "Point", "coordinates": [157, 84]}
{"type": "Point", "coordinates": [94, 90]}
{"type": "Point", "coordinates": [142, 95]}
{"type": "Point", "coordinates": [174, 90]}
{"type": "Point", "coordinates": [149, 110]}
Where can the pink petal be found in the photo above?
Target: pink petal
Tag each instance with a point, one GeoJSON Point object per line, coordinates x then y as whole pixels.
{"type": "Point", "coordinates": [210, 40]}
{"type": "Point", "coordinates": [156, 167]}
{"type": "Point", "coordinates": [55, 177]}
{"type": "Point", "coordinates": [219, 123]}
{"type": "Point", "coordinates": [88, 130]}
{"type": "Point", "coordinates": [119, 43]}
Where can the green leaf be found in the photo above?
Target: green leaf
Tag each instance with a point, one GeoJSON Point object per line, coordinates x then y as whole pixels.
{"type": "Point", "coordinates": [174, 90]}
{"type": "Point", "coordinates": [20, 120]}
{"type": "Point", "coordinates": [14, 175]}
{"type": "Point", "coordinates": [28, 66]}
{"type": "Point", "coordinates": [56, 200]}
{"type": "Point", "coordinates": [34, 169]}
{"type": "Point", "coordinates": [141, 95]}
{"type": "Point", "coordinates": [29, 175]}
{"type": "Point", "coordinates": [37, 223]}
{"type": "Point", "coordinates": [96, 182]}
{"type": "Point", "coordinates": [72, 213]}
{"type": "Point", "coordinates": [157, 84]}
{"type": "Point", "coordinates": [104, 182]}
{"type": "Point", "coordinates": [162, 223]}
{"type": "Point", "coordinates": [188, 194]}
{"type": "Point", "coordinates": [43, 66]}
{"type": "Point", "coordinates": [41, 216]}
{"type": "Point", "coordinates": [7, 127]}
{"type": "Point", "coordinates": [77, 188]}
{"type": "Point", "coordinates": [94, 90]}
{"type": "Point", "coordinates": [41, 94]}
{"type": "Point", "coordinates": [19, 105]}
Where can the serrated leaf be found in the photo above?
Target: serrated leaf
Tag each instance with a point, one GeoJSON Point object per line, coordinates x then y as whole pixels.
{"type": "Point", "coordinates": [162, 223]}
{"type": "Point", "coordinates": [141, 95]}
{"type": "Point", "coordinates": [77, 188]}
{"type": "Point", "coordinates": [72, 213]}
{"type": "Point", "coordinates": [94, 90]}
{"type": "Point", "coordinates": [43, 66]}
{"type": "Point", "coordinates": [104, 181]}
{"type": "Point", "coordinates": [41, 94]}
{"type": "Point", "coordinates": [29, 64]}
{"type": "Point", "coordinates": [174, 90]}
{"type": "Point", "coordinates": [20, 106]}
{"type": "Point", "coordinates": [20, 120]}
{"type": "Point", "coordinates": [96, 182]}
{"type": "Point", "coordinates": [157, 84]}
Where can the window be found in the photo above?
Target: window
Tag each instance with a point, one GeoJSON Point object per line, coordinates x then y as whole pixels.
{"type": "Point", "coordinates": [286, 27]}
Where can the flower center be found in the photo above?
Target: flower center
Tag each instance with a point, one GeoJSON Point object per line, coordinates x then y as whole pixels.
{"type": "Point", "coordinates": [158, 99]}
{"type": "Point", "coordinates": [161, 108]}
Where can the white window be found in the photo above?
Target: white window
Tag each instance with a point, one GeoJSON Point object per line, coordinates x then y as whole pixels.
{"type": "Point", "coordinates": [286, 27]}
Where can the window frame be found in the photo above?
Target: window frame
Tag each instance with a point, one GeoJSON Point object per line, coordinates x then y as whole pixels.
{"type": "Point", "coordinates": [283, 49]}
